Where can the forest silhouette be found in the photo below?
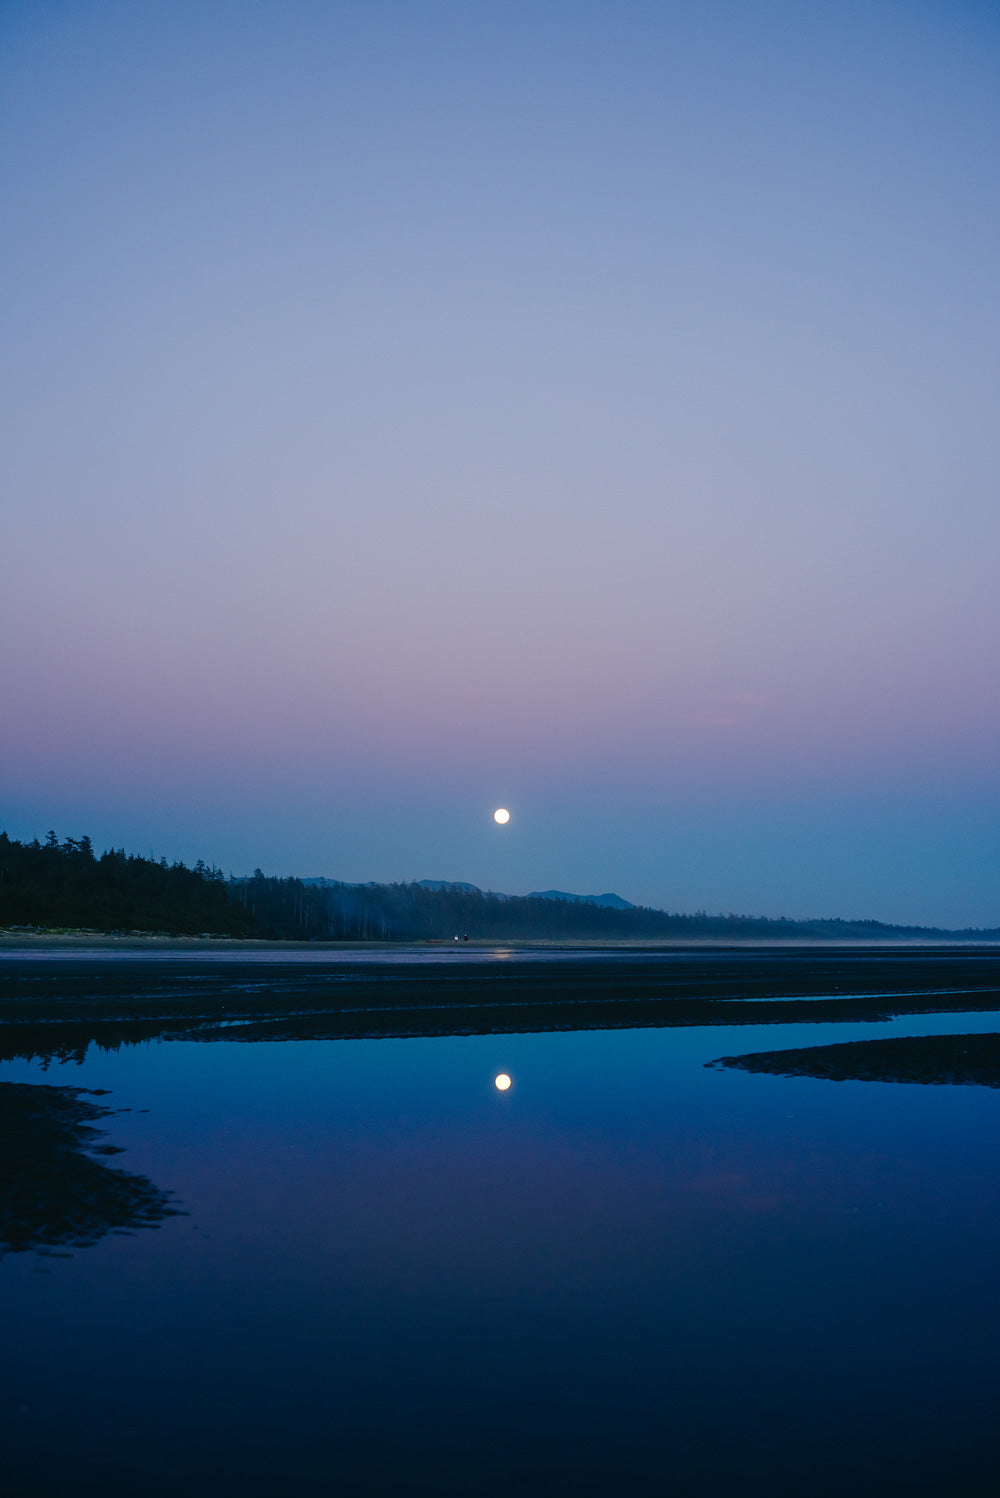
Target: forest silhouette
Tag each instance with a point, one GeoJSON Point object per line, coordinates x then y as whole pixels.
{"type": "Point", "coordinates": [64, 885]}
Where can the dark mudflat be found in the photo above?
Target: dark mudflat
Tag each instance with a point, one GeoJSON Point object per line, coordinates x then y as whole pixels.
{"type": "Point", "coordinates": [57, 1009]}
{"type": "Point", "coordinates": [60, 1008]}
{"type": "Point", "coordinates": [969, 1060]}
{"type": "Point", "coordinates": [52, 1192]}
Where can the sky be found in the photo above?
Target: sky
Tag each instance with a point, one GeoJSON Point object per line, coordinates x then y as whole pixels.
{"type": "Point", "coordinates": [414, 407]}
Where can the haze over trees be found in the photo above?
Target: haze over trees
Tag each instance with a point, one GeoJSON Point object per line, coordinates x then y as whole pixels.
{"type": "Point", "coordinates": [65, 886]}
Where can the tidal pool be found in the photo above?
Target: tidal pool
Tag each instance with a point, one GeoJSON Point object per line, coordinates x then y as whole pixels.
{"type": "Point", "coordinates": [624, 1273]}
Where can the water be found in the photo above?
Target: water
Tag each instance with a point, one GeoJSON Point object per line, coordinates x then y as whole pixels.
{"type": "Point", "coordinates": [627, 1274]}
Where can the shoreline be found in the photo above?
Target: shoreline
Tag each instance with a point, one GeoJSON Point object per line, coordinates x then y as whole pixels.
{"type": "Point", "coordinates": [26, 943]}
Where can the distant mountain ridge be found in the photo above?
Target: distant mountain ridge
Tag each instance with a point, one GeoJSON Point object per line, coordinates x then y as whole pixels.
{"type": "Point", "coordinates": [452, 884]}
{"type": "Point", "coordinates": [609, 901]}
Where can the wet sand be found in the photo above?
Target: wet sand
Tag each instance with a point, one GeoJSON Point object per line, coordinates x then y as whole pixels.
{"type": "Point", "coordinates": [53, 1193]}
{"type": "Point", "coordinates": [57, 1008]}
{"type": "Point", "coordinates": [957, 1060]}
{"type": "Point", "coordinates": [29, 939]}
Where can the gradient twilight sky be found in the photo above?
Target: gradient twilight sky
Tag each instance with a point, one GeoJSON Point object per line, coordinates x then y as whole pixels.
{"type": "Point", "coordinates": [413, 408]}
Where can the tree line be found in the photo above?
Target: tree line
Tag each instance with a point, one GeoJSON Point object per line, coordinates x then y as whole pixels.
{"type": "Point", "coordinates": [65, 885]}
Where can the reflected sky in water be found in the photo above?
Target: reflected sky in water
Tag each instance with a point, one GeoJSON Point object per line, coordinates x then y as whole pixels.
{"type": "Point", "coordinates": [624, 1267]}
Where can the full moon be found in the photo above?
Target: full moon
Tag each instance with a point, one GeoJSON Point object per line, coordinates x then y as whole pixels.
{"type": "Point", "coordinates": [501, 815]}
{"type": "Point", "coordinates": [502, 1082]}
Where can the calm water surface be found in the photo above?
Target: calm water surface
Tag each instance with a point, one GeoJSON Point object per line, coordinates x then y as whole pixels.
{"type": "Point", "coordinates": [627, 1274]}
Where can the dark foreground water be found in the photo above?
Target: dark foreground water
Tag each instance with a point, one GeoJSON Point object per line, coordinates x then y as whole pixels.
{"type": "Point", "coordinates": [628, 1274]}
